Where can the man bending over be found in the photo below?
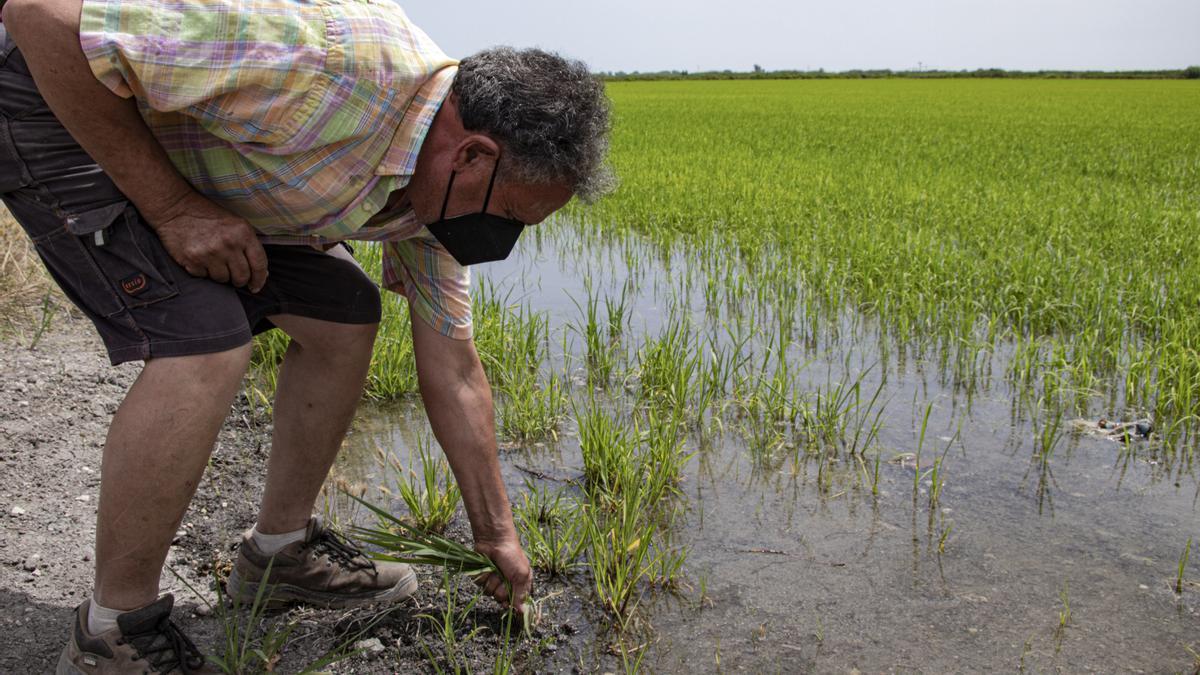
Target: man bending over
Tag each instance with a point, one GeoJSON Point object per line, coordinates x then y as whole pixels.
{"type": "Point", "coordinates": [186, 170]}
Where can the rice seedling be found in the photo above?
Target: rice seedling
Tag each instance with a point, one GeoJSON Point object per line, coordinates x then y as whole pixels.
{"type": "Point", "coordinates": [1183, 561]}
{"type": "Point", "coordinates": [620, 554]}
{"type": "Point", "coordinates": [943, 536]}
{"type": "Point", "coordinates": [599, 349]}
{"type": "Point", "coordinates": [528, 410]}
{"type": "Point", "coordinates": [399, 541]}
{"type": "Point", "coordinates": [608, 453]}
{"type": "Point", "coordinates": [1064, 614]}
{"type": "Point", "coordinates": [449, 626]}
{"type": "Point", "coordinates": [432, 497]}
{"type": "Point", "coordinates": [668, 368]}
{"type": "Point", "coordinates": [552, 529]}
{"type": "Point", "coordinates": [920, 447]}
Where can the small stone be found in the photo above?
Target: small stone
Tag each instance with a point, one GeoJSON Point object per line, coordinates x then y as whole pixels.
{"type": "Point", "coordinates": [203, 610]}
{"type": "Point", "coordinates": [1143, 587]}
{"type": "Point", "coordinates": [370, 646]}
{"type": "Point", "coordinates": [17, 511]}
{"type": "Point", "coordinates": [83, 498]}
{"type": "Point", "coordinates": [972, 631]}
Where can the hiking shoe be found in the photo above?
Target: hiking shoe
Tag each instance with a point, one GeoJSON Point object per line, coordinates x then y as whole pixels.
{"type": "Point", "coordinates": [144, 641]}
{"type": "Point", "coordinates": [323, 570]}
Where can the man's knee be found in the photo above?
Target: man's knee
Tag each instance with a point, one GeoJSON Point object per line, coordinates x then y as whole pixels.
{"type": "Point", "coordinates": [329, 339]}
{"type": "Point", "coordinates": [221, 368]}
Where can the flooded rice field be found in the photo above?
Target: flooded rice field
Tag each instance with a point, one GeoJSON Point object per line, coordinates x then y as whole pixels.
{"type": "Point", "coordinates": [846, 498]}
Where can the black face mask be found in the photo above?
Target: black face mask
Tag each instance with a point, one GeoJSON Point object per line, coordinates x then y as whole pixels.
{"type": "Point", "coordinates": [475, 238]}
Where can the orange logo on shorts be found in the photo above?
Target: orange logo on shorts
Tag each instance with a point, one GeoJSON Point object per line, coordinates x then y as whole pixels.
{"type": "Point", "coordinates": [134, 284]}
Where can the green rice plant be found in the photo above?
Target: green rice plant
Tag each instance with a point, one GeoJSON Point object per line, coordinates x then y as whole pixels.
{"type": "Point", "coordinates": [838, 418]}
{"type": "Point", "coordinates": [608, 449]}
{"type": "Point", "coordinates": [393, 371]}
{"type": "Point", "coordinates": [432, 497]}
{"type": "Point", "coordinates": [620, 554]}
{"type": "Point", "coordinates": [618, 312]}
{"type": "Point", "coordinates": [508, 335]}
{"type": "Point", "coordinates": [447, 626]}
{"type": "Point", "coordinates": [669, 561]}
{"type": "Point", "coordinates": [663, 455]}
{"type": "Point", "coordinates": [399, 541]}
{"type": "Point", "coordinates": [552, 529]}
{"type": "Point", "coordinates": [1048, 433]}
{"type": "Point", "coordinates": [668, 368]}
{"type": "Point", "coordinates": [875, 475]}
{"type": "Point", "coordinates": [920, 446]}
{"type": "Point", "coordinates": [944, 536]}
{"type": "Point", "coordinates": [528, 410]}
{"type": "Point", "coordinates": [599, 349]}
{"type": "Point", "coordinates": [1064, 614]}
{"type": "Point", "coordinates": [1183, 561]}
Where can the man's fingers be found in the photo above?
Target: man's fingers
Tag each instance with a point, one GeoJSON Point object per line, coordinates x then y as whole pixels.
{"type": "Point", "coordinates": [218, 271]}
{"type": "Point", "coordinates": [495, 587]}
{"type": "Point", "coordinates": [257, 259]}
{"type": "Point", "coordinates": [239, 270]}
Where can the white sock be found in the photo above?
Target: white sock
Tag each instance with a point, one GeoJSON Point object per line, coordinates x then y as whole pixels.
{"type": "Point", "coordinates": [274, 543]}
{"type": "Point", "coordinates": [101, 619]}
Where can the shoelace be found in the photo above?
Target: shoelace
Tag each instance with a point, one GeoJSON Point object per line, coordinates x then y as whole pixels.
{"type": "Point", "coordinates": [340, 549]}
{"type": "Point", "coordinates": [165, 647]}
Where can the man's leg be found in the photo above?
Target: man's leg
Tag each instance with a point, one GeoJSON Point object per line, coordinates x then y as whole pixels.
{"type": "Point", "coordinates": [320, 382]}
{"type": "Point", "coordinates": [158, 445]}
{"type": "Point", "coordinates": [331, 310]}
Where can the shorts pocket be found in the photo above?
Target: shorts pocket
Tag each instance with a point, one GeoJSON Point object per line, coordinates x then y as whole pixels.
{"type": "Point", "coordinates": [13, 172]}
{"type": "Point", "coordinates": [126, 252]}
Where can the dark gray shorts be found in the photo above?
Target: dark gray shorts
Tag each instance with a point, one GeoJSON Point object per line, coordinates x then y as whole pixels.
{"type": "Point", "coordinates": [113, 266]}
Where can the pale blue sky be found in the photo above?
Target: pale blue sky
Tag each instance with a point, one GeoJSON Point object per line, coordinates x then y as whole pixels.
{"type": "Point", "coordinates": [836, 35]}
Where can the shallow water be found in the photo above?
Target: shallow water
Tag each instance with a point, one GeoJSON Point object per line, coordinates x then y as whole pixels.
{"type": "Point", "coordinates": [801, 578]}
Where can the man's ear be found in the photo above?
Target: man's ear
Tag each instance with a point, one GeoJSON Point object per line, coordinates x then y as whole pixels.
{"type": "Point", "coordinates": [475, 151]}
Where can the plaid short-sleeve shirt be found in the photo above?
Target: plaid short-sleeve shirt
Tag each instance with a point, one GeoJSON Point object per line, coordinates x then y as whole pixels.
{"type": "Point", "coordinates": [300, 116]}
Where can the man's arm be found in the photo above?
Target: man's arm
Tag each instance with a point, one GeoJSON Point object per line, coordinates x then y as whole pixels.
{"type": "Point", "coordinates": [458, 401]}
{"type": "Point", "coordinates": [204, 238]}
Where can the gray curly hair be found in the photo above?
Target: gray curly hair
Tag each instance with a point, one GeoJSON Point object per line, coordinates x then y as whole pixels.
{"type": "Point", "coordinates": [548, 113]}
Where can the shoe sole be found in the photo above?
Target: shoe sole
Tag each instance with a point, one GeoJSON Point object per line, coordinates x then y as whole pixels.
{"type": "Point", "coordinates": [282, 595]}
{"type": "Point", "coordinates": [65, 667]}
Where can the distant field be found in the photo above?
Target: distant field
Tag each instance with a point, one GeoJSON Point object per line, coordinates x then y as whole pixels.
{"type": "Point", "coordinates": [1062, 214]}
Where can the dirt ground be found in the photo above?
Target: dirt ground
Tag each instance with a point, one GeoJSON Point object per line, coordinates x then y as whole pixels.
{"type": "Point", "coordinates": [55, 404]}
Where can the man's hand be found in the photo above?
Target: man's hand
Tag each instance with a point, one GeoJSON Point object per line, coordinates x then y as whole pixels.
{"type": "Point", "coordinates": [511, 560]}
{"type": "Point", "coordinates": [204, 238]}
{"type": "Point", "coordinates": [209, 241]}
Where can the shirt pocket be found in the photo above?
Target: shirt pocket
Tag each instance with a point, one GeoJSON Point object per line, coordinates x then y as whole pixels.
{"type": "Point", "coordinates": [117, 243]}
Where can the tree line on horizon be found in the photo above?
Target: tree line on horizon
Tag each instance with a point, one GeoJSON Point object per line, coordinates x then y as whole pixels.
{"type": "Point", "coordinates": [1189, 73]}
